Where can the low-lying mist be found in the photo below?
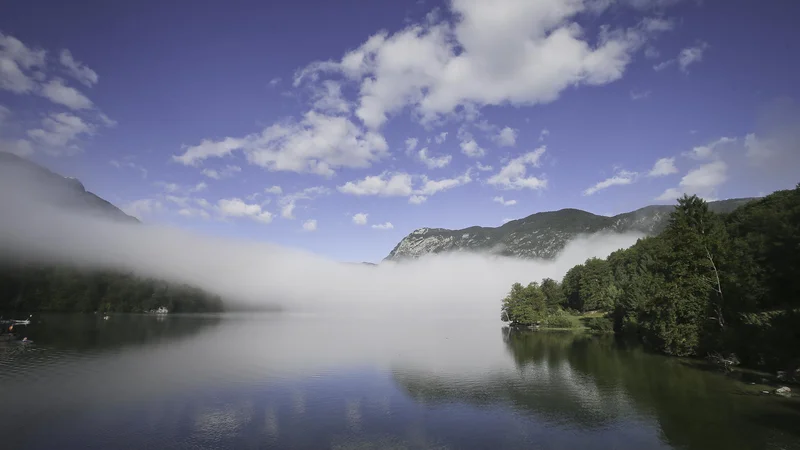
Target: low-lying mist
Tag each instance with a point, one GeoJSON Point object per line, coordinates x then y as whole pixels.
{"type": "Point", "coordinates": [252, 274]}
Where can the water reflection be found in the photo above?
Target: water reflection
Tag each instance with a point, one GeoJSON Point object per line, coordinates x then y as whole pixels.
{"type": "Point", "coordinates": [572, 380]}
{"type": "Point", "coordinates": [283, 381]}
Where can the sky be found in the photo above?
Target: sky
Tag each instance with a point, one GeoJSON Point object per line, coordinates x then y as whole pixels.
{"type": "Point", "coordinates": [338, 128]}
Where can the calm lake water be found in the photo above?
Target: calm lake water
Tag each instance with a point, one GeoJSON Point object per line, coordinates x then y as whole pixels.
{"type": "Point", "coordinates": [324, 381]}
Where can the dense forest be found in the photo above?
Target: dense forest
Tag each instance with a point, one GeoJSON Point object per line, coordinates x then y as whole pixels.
{"type": "Point", "coordinates": [30, 288]}
{"type": "Point", "coordinates": [720, 286]}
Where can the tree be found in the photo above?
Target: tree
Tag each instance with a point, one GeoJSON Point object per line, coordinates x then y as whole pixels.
{"type": "Point", "coordinates": [553, 294]}
{"type": "Point", "coordinates": [524, 305]}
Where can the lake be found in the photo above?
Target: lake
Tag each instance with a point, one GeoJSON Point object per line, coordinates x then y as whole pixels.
{"type": "Point", "coordinates": [285, 380]}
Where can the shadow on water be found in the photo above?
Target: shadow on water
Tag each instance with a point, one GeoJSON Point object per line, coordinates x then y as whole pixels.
{"type": "Point", "coordinates": [591, 382]}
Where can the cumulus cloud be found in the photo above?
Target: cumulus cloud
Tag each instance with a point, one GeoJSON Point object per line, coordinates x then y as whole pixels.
{"type": "Point", "coordinates": [433, 162]}
{"type": "Point", "coordinates": [417, 199]}
{"type": "Point", "coordinates": [328, 98]}
{"type": "Point", "coordinates": [60, 132]}
{"type": "Point", "coordinates": [226, 172]}
{"type": "Point", "coordinates": [483, 168]}
{"type": "Point", "coordinates": [411, 144]}
{"type": "Point", "coordinates": [663, 167]}
{"type": "Point", "coordinates": [710, 150]}
{"type": "Point", "coordinates": [622, 177]}
{"type": "Point", "coordinates": [543, 134]}
{"type": "Point", "coordinates": [289, 201]}
{"type": "Point", "coordinates": [360, 218]}
{"type": "Point", "coordinates": [15, 59]}
{"type": "Point", "coordinates": [639, 95]}
{"type": "Point", "coordinates": [57, 92]}
{"type": "Point", "coordinates": [236, 207]}
{"type": "Point", "coordinates": [504, 202]}
{"type": "Point", "coordinates": [385, 184]}
{"type": "Point", "coordinates": [142, 208]}
{"type": "Point", "coordinates": [318, 144]}
{"type": "Point", "coordinates": [78, 70]}
{"type": "Point", "coordinates": [702, 181]}
{"type": "Point", "coordinates": [310, 225]}
{"type": "Point", "coordinates": [506, 52]}
{"type": "Point", "coordinates": [514, 174]}
{"type": "Point", "coordinates": [441, 137]}
{"type": "Point", "coordinates": [507, 137]}
{"type": "Point", "coordinates": [275, 190]}
{"type": "Point", "coordinates": [691, 55]}
{"type": "Point", "coordinates": [472, 149]}
{"type": "Point", "coordinates": [383, 226]}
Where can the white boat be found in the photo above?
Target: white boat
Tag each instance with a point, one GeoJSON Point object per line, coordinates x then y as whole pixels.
{"type": "Point", "coordinates": [23, 322]}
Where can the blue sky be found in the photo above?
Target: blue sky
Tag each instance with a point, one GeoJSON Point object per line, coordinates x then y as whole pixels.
{"type": "Point", "coordinates": [340, 127]}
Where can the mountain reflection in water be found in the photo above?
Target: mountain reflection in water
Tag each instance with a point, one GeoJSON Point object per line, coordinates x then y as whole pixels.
{"type": "Point", "coordinates": [312, 381]}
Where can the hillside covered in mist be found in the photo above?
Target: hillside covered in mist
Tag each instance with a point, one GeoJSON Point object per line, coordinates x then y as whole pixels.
{"type": "Point", "coordinates": [541, 235]}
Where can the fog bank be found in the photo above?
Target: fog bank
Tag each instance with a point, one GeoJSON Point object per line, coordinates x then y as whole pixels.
{"type": "Point", "coordinates": [254, 273]}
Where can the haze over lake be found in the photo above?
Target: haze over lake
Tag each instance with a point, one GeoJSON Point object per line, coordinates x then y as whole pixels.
{"type": "Point", "coordinates": [334, 381]}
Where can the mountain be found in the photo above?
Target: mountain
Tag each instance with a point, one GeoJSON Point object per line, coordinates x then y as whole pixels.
{"type": "Point", "coordinates": [540, 235]}
{"type": "Point", "coordinates": [21, 177]}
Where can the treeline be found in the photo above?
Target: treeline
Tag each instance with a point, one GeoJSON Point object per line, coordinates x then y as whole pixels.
{"type": "Point", "coordinates": [708, 285]}
{"type": "Point", "coordinates": [30, 288]}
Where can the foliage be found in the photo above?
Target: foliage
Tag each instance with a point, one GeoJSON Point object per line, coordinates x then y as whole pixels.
{"type": "Point", "coordinates": [708, 284]}
{"type": "Point", "coordinates": [524, 305]}
{"type": "Point", "coordinates": [599, 324]}
{"type": "Point", "coordinates": [558, 319]}
{"type": "Point", "coordinates": [553, 294]}
{"type": "Point", "coordinates": [65, 289]}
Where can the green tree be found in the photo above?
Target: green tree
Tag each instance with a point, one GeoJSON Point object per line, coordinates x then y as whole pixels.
{"type": "Point", "coordinates": [553, 294]}
{"type": "Point", "coordinates": [524, 305]}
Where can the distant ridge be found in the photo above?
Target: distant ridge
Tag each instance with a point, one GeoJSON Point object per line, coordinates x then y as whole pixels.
{"type": "Point", "coordinates": [540, 235]}
{"type": "Point", "coordinates": [29, 178]}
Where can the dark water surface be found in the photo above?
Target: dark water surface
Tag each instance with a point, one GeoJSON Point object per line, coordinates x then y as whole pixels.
{"type": "Point", "coordinates": [313, 381]}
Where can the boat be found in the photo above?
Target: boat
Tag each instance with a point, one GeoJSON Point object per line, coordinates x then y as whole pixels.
{"type": "Point", "coordinates": [23, 322]}
{"type": "Point", "coordinates": [161, 310]}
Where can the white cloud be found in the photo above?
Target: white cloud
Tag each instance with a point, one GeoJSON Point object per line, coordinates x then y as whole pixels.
{"type": "Point", "coordinates": [651, 53]}
{"type": "Point", "coordinates": [274, 82]}
{"type": "Point", "coordinates": [640, 95]}
{"type": "Point", "coordinates": [318, 144]}
{"type": "Point", "coordinates": [483, 168]}
{"type": "Point", "coordinates": [543, 134]}
{"type": "Point", "coordinates": [57, 92]}
{"type": "Point", "coordinates": [143, 208]}
{"type": "Point", "coordinates": [513, 174]}
{"type": "Point", "coordinates": [507, 137]}
{"type": "Point", "coordinates": [227, 171]}
{"type": "Point", "coordinates": [430, 187]}
{"type": "Point", "coordinates": [394, 185]}
{"type": "Point", "coordinates": [471, 149]}
{"type": "Point", "coordinates": [78, 70]}
{"type": "Point", "coordinates": [15, 59]}
{"type": "Point", "coordinates": [411, 144]}
{"type": "Point", "coordinates": [436, 162]}
{"type": "Point", "coordinates": [663, 65]}
{"type": "Point", "coordinates": [236, 207]}
{"type": "Point", "coordinates": [708, 151]}
{"type": "Point", "coordinates": [702, 181]}
{"type": "Point", "coordinates": [691, 55]}
{"type": "Point", "coordinates": [328, 98]}
{"type": "Point", "coordinates": [360, 218]}
{"type": "Point", "coordinates": [289, 201]}
{"type": "Point", "coordinates": [441, 137]}
{"type": "Point", "coordinates": [504, 202]}
{"type": "Point", "coordinates": [59, 133]}
{"type": "Point", "coordinates": [663, 167]}
{"type": "Point", "coordinates": [621, 178]}
{"type": "Point", "coordinates": [495, 53]}
{"type": "Point", "coordinates": [276, 190]}
{"type": "Point", "coordinates": [130, 165]}
{"type": "Point", "coordinates": [19, 147]}
{"type": "Point", "coordinates": [417, 199]}
{"type": "Point", "coordinates": [310, 225]}
{"type": "Point", "coordinates": [383, 226]}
